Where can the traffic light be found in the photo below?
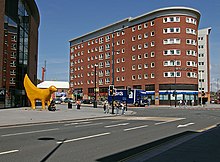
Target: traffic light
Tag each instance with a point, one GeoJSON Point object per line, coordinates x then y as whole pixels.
{"type": "Point", "coordinates": [111, 90]}
{"type": "Point", "coordinates": [129, 90]}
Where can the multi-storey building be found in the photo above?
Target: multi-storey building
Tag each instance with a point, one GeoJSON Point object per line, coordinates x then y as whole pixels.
{"type": "Point", "coordinates": [156, 52]}
{"type": "Point", "coordinates": [19, 22]}
{"type": "Point", "coordinates": [203, 64]}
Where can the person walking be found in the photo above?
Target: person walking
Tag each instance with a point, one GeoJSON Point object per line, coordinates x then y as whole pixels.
{"type": "Point", "coordinates": [104, 107]}
{"type": "Point", "coordinates": [117, 108]}
{"type": "Point", "coordinates": [122, 108]}
{"type": "Point", "coordinates": [78, 104]}
{"type": "Point", "coordinates": [180, 103]}
{"type": "Point", "coordinates": [107, 107]}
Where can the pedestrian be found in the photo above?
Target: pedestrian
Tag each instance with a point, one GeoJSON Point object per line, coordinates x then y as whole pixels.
{"type": "Point", "coordinates": [122, 108]}
{"type": "Point", "coordinates": [78, 104]}
{"type": "Point", "coordinates": [192, 102]}
{"type": "Point", "coordinates": [104, 107]}
{"type": "Point", "coordinates": [107, 107]}
{"type": "Point", "coordinates": [185, 104]}
{"type": "Point", "coordinates": [117, 108]}
{"type": "Point", "coordinates": [52, 106]}
{"type": "Point", "coordinates": [180, 103]}
{"type": "Point", "coordinates": [148, 101]}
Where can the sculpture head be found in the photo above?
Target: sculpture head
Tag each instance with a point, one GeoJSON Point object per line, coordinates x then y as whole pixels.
{"type": "Point", "coordinates": [52, 89]}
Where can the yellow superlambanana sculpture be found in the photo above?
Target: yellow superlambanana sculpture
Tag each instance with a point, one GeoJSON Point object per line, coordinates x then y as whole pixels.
{"type": "Point", "coordinates": [34, 93]}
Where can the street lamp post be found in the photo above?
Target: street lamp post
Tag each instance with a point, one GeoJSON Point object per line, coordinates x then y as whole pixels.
{"type": "Point", "coordinates": [113, 68]}
{"type": "Point", "coordinates": [95, 102]}
{"type": "Point", "coordinates": [175, 82]}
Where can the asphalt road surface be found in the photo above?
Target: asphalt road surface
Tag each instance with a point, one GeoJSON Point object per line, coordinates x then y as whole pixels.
{"type": "Point", "coordinates": [116, 138]}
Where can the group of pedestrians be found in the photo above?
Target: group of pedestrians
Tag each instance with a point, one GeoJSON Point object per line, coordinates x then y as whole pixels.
{"type": "Point", "coordinates": [185, 103]}
{"type": "Point", "coordinates": [117, 106]}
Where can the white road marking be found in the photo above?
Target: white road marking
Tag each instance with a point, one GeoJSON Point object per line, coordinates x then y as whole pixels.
{"type": "Point", "coordinates": [78, 126]}
{"type": "Point", "coordinates": [86, 137]}
{"type": "Point", "coordinates": [8, 152]}
{"type": "Point", "coordinates": [170, 120]}
{"type": "Point", "coordinates": [21, 133]}
{"type": "Point", "coordinates": [116, 125]}
{"type": "Point", "coordinates": [185, 125]}
{"type": "Point", "coordinates": [143, 126]}
{"type": "Point", "coordinates": [76, 123]}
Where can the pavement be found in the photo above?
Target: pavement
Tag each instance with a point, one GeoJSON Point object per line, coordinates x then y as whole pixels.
{"type": "Point", "coordinates": [198, 147]}
{"type": "Point", "coordinates": [25, 115]}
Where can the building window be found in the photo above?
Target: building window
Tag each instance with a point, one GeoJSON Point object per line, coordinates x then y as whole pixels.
{"type": "Point", "coordinates": [139, 57]}
{"type": "Point", "coordinates": [191, 42]}
{"type": "Point", "coordinates": [139, 46]}
{"type": "Point", "coordinates": [117, 79]}
{"type": "Point", "coordinates": [139, 36]}
{"type": "Point", "coordinates": [171, 30]}
{"type": "Point", "coordinates": [171, 41]}
{"type": "Point", "coordinates": [152, 54]}
{"type": "Point", "coordinates": [133, 77]}
{"type": "Point", "coordinates": [145, 25]}
{"type": "Point", "coordinates": [139, 66]}
{"type": "Point", "coordinates": [145, 66]}
{"type": "Point", "coordinates": [107, 55]}
{"type": "Point", "coordinates": [146, 45]}
{"type": "Point", "coordinates": [118, 70]}
{"type": "Point", "coordinates": [152, 64]}
{"type": "Point", "coordinates": [145, 76]}
{"type": "Point", "coordinates": [122, 59]}
{"type": "Point", "coordinates": [133, 57]}
{"type": "Point", "coordinates": [191, 63]}
{"type": "Point", "coordinates": [122, 41]}
{"type": "Point", "coordinates": [172, 74]}
{"type": "Point", "coordinates": [171, 19]}
{"type": "Point", "coordinates": [191, 20]}
{"type": "Point", "coordinates": [122, 78]}
{"type": "Point", "coordinates": [139, 27]}
{"type": "Point", "coordinates": [172, 52]}
{"type": "Point", "coordinates": [123, 69]}
{"type": "Point", "coordinates": [190, 31]}
{"type": "Point", "coordinates": [191, 75]}
{"type": "Point", "coordinates": [152, 75]}
{"type": "Point", "coordinates": [146, 55]}
{"type": "Point", "coordinates": [152, 33]}
{"type": "Point", "coordinates": [133, 29]}
{"type": "Point", "coordinates": [107, 72]}
{"type": "Point", "coordinates": [107, 80]}
{"type": "Point", "coordinates": [152, 23]}
{"type": "Point", "coordinates": [107, 47]}
{"type": "Point", "coordinates": [133, 38]}
{"type": "Point", "coordinates": [152, 44]}
{"type": "Point", "coordinates": [139, 77]}
{"type": "Point", "coordinates": [133, 48]}
{"type": "Point", "coordinates": [145, 35]}
{"type": "Point", "coordinates": [107, 63]}
{"type": "Point", "coordinates": [191, 52]}
{"type": "Point", "coordinates": [133, 67]}
{"type": "Point", "coordinates": [101, 40]}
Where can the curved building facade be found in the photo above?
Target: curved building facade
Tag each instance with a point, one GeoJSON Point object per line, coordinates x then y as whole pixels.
{"type": "Point", "coordinates": [19, 22]}
{"type": "Point", "coordinates": [156, 52]}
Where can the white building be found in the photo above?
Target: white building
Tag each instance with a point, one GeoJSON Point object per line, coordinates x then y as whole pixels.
{"type": "Point", "coordinates": [204, 63]}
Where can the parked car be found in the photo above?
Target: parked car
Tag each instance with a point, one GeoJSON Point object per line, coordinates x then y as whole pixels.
{"type": "Point", "coordinates": [66, 100]}
{"type": "Point", "coordinates": [57, 101]}
{"type": "Point", "coordinates": [87, 101]}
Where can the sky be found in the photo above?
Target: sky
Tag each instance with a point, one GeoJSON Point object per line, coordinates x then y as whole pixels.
{"type": "Point", "coordinates": [62, 20]}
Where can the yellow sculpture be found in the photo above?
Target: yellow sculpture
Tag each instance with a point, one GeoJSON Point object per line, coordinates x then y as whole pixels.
{"type": "Point", "coordinates": [34, 93]}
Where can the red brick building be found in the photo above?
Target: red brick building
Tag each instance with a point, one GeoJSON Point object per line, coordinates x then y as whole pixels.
{"type": "Point", "coordinates": [156, 52]}
{"type": "Point", "coordinates": [19, 22]}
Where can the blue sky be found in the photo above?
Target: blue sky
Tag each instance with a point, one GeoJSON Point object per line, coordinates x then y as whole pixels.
{"type": "Point", "coordinates": [62, 20]}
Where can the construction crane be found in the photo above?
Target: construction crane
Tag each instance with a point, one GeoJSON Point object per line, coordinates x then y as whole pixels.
{"type": "Point", "coordinates": [43, 71]}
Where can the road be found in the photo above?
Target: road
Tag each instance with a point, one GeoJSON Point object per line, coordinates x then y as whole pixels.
{"type": "Point", "coordinates": [103, 139]}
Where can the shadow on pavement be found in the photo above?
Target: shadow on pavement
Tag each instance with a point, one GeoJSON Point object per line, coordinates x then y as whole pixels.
{"type": "Point", "coordinates": [135, 153]}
